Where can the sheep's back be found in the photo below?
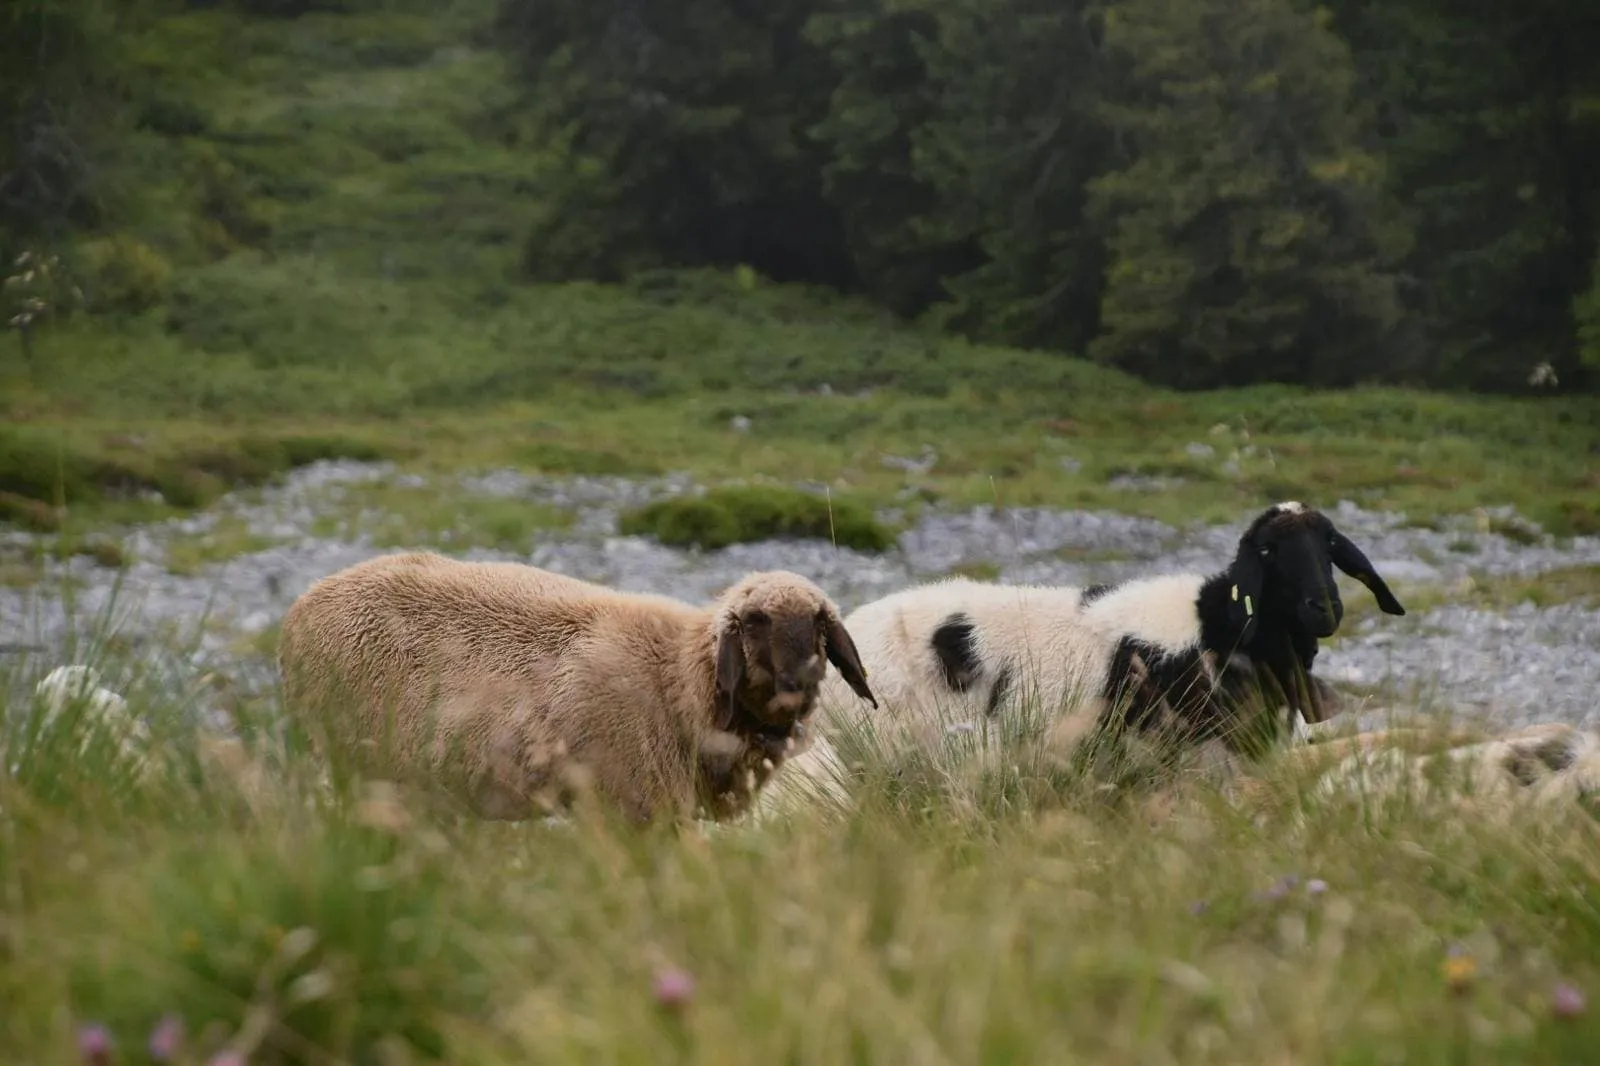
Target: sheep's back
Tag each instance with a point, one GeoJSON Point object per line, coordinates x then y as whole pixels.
{"type": "Point", "coordinates": [417, 647]}
{"type": "Point", "coordinates": [1030, 641]}
{"type": "Point", "coordinates": [1161, 611]}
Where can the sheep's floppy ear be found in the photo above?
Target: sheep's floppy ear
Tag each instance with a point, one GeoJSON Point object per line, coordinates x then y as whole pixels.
{"type": "Point", "coordinates": [1244, 593]}
{"type": "Point", "coordinates": [1349, 558]}
{"type": "Point", "coordinates": [730, 671]}
{"type": "Point", "coordinates": [843, 655]}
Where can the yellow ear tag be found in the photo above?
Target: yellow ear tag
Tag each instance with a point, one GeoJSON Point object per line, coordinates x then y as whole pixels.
{"type": "Point", "coordinates": [1249, 608]}
{"type": "Point", "coordinates": [1236, 594]}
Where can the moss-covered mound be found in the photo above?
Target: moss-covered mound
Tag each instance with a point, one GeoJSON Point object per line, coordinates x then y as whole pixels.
{"type": "Point", "coordinates": [740, 514]}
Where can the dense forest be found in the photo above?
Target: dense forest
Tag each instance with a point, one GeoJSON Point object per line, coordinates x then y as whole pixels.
{"type": "Point", "coordinates": [1202, 192]}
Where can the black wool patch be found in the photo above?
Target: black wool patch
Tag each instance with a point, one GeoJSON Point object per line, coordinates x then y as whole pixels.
{"type": "Point", "coordinates": [954, 644]}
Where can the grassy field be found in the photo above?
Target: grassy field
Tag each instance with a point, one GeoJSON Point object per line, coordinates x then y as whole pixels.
{"type": "Point", "coordinates": [1025, 916]}
{"type": "Point", "coordinates": [324, 265]}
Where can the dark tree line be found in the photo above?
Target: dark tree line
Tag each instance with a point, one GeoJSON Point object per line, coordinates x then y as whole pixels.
{"type": "Point", "coordinates": [57, 99]}
{"type": "Point", "coordinates": [1201, 191]}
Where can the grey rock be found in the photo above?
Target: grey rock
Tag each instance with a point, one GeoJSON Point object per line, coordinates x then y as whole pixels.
{"type": "Point", "coordinates": [1522, 664]}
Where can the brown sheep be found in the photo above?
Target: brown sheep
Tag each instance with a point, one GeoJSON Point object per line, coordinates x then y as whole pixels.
{"type": "Point", "coordinates": [511, 686]}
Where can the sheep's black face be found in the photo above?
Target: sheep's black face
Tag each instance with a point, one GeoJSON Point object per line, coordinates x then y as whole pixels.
{"type": "Point", "coordinates": [1299, 571]}
{"type": "Point", "coordinates": [1285, 565]}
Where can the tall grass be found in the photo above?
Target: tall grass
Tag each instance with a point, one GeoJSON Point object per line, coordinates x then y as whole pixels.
{"type": "Point", "coordinates": [1028, 913]}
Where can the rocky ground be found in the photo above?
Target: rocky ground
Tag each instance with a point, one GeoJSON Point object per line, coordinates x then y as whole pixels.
{"type": "Point", "coordinates": [1518, 665]}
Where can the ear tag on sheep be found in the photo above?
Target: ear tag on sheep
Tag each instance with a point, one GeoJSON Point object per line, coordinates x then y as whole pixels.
{"type": "Point", "coordinates": [1236, 594]}
{"type": "Point", "coordinates": [1249, 608]}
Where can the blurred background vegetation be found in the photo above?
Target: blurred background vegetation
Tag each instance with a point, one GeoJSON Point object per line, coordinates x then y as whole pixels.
{"type": "Point", "coordinates": [332, 213]}
{"type": "Point", "coordinates": [1204, 192]}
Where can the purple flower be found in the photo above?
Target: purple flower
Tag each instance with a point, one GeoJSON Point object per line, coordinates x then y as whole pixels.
{"type": "Point", "coordinates": [1199, 907]}
{"type": "Point", "coordinates": [674, 987]}
{"type": "Point", "coordinates": [166, 1039]}
{"type": "Point", "coordinates": [95, 1044]}
{"type": "Point", "coordinates": [1567, 1001]}
{"type": "Point", "coordinates": [1316, 886]}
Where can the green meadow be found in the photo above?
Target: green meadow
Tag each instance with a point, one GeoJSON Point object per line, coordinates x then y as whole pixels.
{"type": "Point", "coordinates": [323, 261]}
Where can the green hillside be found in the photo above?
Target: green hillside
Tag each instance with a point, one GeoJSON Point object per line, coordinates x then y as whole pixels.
{"type": "Point", "coordinates": [320, 251]}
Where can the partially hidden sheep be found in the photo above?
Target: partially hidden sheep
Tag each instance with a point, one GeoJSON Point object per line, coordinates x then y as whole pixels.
{"type": "Point", "coordinates": [516, 688]}
{"type": "Point", "coordinates": [1180, 650]}
{"type": "Point", "coordinates": [66, 684]}
{"type": "Point", "coordinates": [1483, 774]}
{"type": "Point", "coordinates": [103, 708]}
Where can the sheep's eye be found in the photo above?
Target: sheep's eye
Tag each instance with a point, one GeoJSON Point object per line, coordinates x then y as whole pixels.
{"type": "Point", "coordinates": [1266, 550]}
{"type": "Point", "coordinates": [756, 618]}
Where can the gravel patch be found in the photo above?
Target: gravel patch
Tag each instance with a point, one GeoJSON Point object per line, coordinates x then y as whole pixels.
{"type": "Point", "coordinates": [1523, 664]}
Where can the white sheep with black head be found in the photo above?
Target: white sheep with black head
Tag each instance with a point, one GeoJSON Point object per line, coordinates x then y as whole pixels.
{"type": "Point", "coordinates": [1186, 651]}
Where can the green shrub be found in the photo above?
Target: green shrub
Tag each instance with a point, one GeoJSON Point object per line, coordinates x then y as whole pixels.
{"type": "Point", "coordinates": [34, 468]}
{"type": "Point", "coordinates": [741, 514]}
{"type": "Point", "coordinates": [36, 473]}
{"type": "Point", "coordinates": [173, 117]}
{"type": "Point", "coordinates": [124, 274]}
{"type": "Point", "coordinates": [228, 201]}
{"type": "Point", "coordinates": [1577, 518]}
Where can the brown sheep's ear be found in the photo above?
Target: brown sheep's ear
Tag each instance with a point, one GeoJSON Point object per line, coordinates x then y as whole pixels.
{"type": "Point", "coordinates": [730, 672]}
{"type": "Point", "coordinates": [842, 654]}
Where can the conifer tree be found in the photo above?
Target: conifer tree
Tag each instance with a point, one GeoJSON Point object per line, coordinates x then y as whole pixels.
{"type": "Point", "coordinates": [1249, 232]}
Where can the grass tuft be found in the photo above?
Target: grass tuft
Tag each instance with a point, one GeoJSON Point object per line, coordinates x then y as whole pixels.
{"type": "Point", "coordinates": [744, 513]}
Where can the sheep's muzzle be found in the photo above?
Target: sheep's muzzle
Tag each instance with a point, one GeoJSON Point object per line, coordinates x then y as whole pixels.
{"type": "Point", "coordinates": [786, 708]}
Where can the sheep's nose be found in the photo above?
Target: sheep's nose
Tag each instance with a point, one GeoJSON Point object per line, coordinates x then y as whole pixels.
{"type": "Point", "coordinates": [1320, 604]}
{"type": "Point", "coordinates": [789, 683]}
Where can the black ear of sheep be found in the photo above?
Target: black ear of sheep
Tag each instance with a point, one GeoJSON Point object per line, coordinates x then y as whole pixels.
{"type": "Point", "coordinates": [1353, 561]}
